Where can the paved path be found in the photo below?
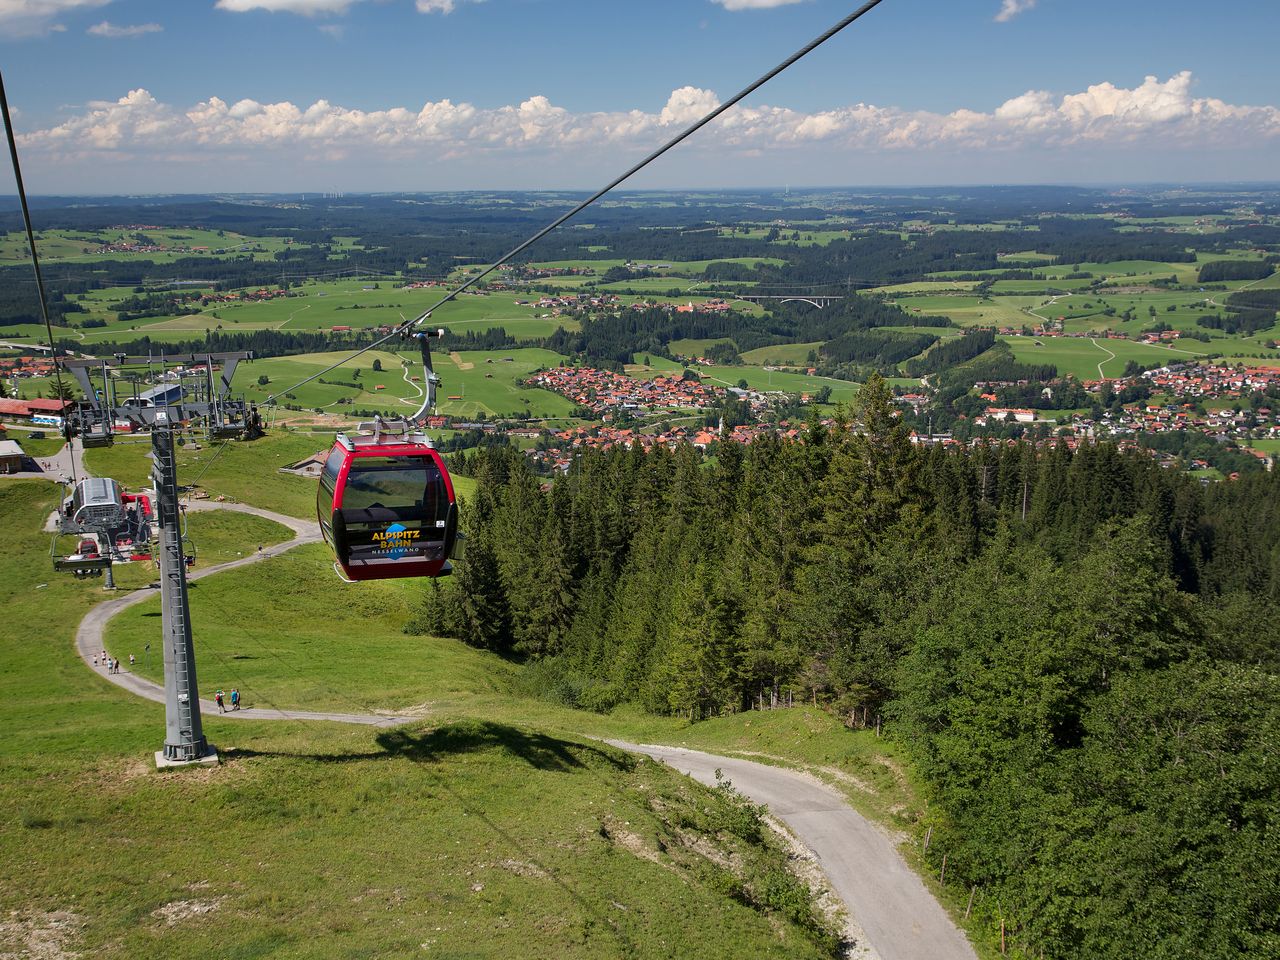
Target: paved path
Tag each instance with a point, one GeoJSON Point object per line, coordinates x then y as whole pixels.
{"type": "Point", "coordinates": [900, 918]}
{"type": "Point", "coordinates": [888, 902]}
{"type": "Point", "coordinates": [91, 632]}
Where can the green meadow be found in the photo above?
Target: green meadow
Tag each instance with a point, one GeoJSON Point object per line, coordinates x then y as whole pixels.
{"type": "Point", "coordinates": [83, 245]}
{"type": "Point", "coordinates": [1093, 358]}
{"type": "Point", "coordinates": [464, 832]}
{"type": "Point", "coordinates": [970, 311]}
{"type": "Point", "coordinates": [482, 381]}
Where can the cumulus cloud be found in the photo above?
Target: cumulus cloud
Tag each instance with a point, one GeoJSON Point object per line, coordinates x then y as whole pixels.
{"type": "Point", "coordinates": [1155, 114]}
{"type": "Point", "coordinates": [1011, 8]}
{"type": "Point", "coordinates": [307, 8]}
{"type": "Point", "coordinates": [441, 6]}
{"type": "Point", "coordinates": [754, 4]}
{"type": "Point", "coordinates": [113, 32]}
{"type": "Point", "coordinates": [27, 18]}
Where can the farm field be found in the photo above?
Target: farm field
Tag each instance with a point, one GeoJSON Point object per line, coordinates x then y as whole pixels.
{"type": "Point", "coordinates": [809, 237]}
{"type": "Point", "coordinates": [695, 348]}
{"type": "Point", "coordinates": [666, 268]}
{"type": "Point", "coordinates": [783, 354]}
{"type": "Point", "coordinates": [485, 382]}
{"type": "Point", "coordinates": [842, 391]}
{"type": "Point", "coordinates": [81, 245]}
{"type": "Point", "coordinates": [354, 384]}
{"type": "Point", "coordinates": [318, 307]}
{"type": "Point", "coordinates": [974, 311]}
{"type": "Point", "coordinates": [1091, 359]}
{"type": "Point", "coordinates": [939, 287]}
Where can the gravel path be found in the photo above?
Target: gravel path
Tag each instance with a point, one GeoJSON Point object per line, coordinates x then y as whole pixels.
{"type": "Point", "coordinates": [898, 915]}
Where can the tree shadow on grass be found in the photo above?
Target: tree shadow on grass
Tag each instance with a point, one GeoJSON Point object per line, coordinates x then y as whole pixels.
{"type": "Point", "coordinates": [469, 736]}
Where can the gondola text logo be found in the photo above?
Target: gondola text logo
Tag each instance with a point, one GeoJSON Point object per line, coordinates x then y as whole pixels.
{"type": "Point", "coordinates": [396, 541]}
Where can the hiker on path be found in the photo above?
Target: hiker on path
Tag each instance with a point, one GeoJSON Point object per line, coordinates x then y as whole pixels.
{"type": "Point", "coordinates": [235, 699]}
{"type": "Point", "coordinates": [217, 697]}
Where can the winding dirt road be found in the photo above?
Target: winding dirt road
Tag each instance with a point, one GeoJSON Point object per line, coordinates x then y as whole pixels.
{"type": "Point", "coordinates": [898, 917]}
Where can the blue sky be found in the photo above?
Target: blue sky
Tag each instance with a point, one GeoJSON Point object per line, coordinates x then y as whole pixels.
{"type": "Point", "coordinates": [292, 95]}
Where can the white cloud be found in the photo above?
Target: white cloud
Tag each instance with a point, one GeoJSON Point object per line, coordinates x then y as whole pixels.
{"type": "Point", "coordinates": [1163, 115]}
{"type": "Point", "coordinates": [754, 4]}
{"type": "Point", "coordinates": [29, 18]}
{"type": "Point", "coordinates": [113, 32]}
{"type": "Point", "coordinates": [441, 6]}
{"type": "Point", "coordinates": [1011, 8]}
{"type": "Point", "coordinates": [307, 8]}
{"type": "Point", "coordinates": [335, 30]}
{"type": "Point", "coordinates": [686, 105]}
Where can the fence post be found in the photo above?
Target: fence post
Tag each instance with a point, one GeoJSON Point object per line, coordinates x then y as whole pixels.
{"type": "Point", "coordinates": [969, 908]}
{"type": "Point", "coordinates": [942, 879]}
{"type": "Point", "coordinates": [1002, 949]}
{"type": "Point", "coordinates": [928, 834]}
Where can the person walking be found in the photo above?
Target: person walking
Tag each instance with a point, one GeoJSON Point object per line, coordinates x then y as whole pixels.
{"type": "Point", "coordinates": [235, 699]}
{"type": "Point", "coordinates": [217, 698]}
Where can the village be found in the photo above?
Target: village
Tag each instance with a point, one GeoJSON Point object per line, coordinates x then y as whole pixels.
{"type": "Point", "coordinates": [1230, 405]}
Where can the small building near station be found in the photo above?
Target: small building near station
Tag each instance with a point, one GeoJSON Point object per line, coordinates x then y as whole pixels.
{"type": "Point", "coordinates": [10, 456]}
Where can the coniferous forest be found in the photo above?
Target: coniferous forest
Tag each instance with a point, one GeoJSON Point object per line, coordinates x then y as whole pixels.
{"type": "Point", "coordinates": [1077, 647]}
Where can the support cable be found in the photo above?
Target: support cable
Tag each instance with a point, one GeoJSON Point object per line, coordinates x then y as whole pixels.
{"type": "Point", "coordinates": [35, 265]}
{"type": "Point", "coordinates": [408, 325]}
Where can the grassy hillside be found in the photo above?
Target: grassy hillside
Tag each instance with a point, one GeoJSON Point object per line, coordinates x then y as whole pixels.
{"type": "Point", "coordinates": [456, 836]}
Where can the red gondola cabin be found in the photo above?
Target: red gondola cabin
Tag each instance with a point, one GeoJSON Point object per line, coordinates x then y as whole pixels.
{"type": "Point", "coordinates": [386, 506]}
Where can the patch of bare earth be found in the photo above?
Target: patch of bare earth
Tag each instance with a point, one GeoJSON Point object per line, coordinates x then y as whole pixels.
{"type": "Point", "coordinates": [177, 911]}
{"type": "Point", "coordinates": [413, 712]}
{"type": "Point", "coordinates": [617, 833]}
{"type": "Point", "coordinates": [39, 936]}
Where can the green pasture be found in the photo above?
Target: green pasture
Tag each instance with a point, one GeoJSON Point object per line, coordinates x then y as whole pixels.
{"type": "Point", "coordinates": [222, 535]}
{"type": "Point", "coordinates": [334, 391]}
{"type": "Point", "coordinates": [842, 391]}
{"type": "Point", "coordinates": [649, 365]}
{"type": "Point", "coordinates": [1026, 256]}
{"type": "Point", "coordinates": [969, 311]}
{"type": "Point", "coordinates": [1037, 286]}
{"type": "Point", "coordinates": [82, 245]}
{"type": "Point", "coordinates": [809, 237]}
{"type": "Point", "coordinates": [665, 268]}
{"type": "Point", "coordinates": [783, 354]}
{"type": "Point", "coordinates": [471, 830]}
{"type": "Point", "coordinates": [485, 382]}
{"type": "Point", "coordinates": [694, 348]}
{"type": "Point", "coordinates": [939, 287]}
{"type": "Point", "coordinates": [46, 447]}
{"type": "Point", "coordinates": [1267, 446]}
{"type": "Point", "coordinates": [1090, 359]}
{"type": "Point", "coordinates": [245, 471]}
{"type": "Point", "coordinates": [319, 306]}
